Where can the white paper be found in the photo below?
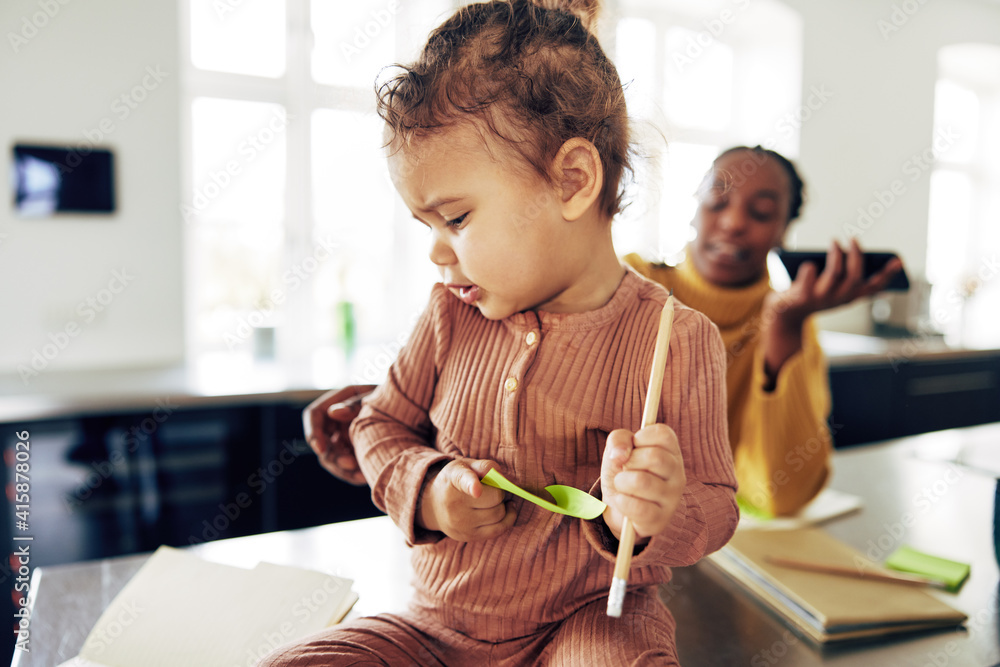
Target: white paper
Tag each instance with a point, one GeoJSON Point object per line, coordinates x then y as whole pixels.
{"type": "Point", "coordinates": [180, 610]}
{"type": "Point", "coordinates": [829, 504]}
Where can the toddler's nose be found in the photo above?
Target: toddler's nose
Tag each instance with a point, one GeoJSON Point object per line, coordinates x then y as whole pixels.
{"type": "Point", "coordinates": [441, 252]}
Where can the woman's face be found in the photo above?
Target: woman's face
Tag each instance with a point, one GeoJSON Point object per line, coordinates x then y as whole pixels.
{"type": "Point", "coordinates": [743, 206]}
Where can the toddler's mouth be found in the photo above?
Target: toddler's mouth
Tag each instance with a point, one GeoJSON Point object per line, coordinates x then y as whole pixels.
{"type": "Point", "coordinates": [469, 294]}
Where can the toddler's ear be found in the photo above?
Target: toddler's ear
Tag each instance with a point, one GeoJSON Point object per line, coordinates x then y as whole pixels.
{"type": "Point", "coordinates": [579, 176]}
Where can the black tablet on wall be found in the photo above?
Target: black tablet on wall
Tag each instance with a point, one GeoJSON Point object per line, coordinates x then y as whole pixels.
{"type": "Point", "coordinates": [49, 180]}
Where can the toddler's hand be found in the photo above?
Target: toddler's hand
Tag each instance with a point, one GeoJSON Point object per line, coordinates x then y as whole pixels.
{"type": "Point", "coordinates": [457, 504]}
{"type": "Point", "coordinates": [642, 477]}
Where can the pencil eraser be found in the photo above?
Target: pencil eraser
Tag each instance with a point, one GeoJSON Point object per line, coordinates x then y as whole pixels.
{"type": "Point", "coordinates": [949, 572]}
{"type": "Point", "coordinates": [616, 598]}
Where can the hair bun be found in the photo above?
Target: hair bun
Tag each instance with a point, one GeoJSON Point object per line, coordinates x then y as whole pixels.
{"type": "Point", "coordinates": [585, 10]}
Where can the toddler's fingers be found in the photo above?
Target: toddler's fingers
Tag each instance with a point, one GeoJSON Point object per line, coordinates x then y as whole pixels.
{"type": "Point", "coordinates": [656, 465]}
{"type": "Point", "coordinates": [481, 466]}
{"type": "Point", "coordinates": [657, 435]}
{"type": "Point", "coordinates": [489, 496]}
{"type": "Point", "coordinates": [463, 478]}
{"type": "Point", "coordinates": [618, 449]}
{"type": "Point", "coordinates": [656, 451]}
{"type": "Point", "coordinates": [502, 526]}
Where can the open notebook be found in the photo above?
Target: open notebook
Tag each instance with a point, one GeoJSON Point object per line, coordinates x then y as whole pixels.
{"type": "Point", "coordinates": [179, 610]}
{"type": "Point", "coordinates": [828, 607]}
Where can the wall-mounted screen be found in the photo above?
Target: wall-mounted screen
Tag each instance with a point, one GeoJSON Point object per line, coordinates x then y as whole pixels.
{"type": "Point", "coordinates": [49, 180]}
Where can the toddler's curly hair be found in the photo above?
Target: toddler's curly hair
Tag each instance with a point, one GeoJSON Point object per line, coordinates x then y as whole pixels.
{"type": "Point", "coordinates": [532, 72]}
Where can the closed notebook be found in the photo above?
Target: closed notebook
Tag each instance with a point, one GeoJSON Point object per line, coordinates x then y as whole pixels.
{"type": "Point", "coordinates": [828, 607]}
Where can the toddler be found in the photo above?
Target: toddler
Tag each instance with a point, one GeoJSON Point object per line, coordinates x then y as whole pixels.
{"type": "Point", "coordinates": [508, 139]}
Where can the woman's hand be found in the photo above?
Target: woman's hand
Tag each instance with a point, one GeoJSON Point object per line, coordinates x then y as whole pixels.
{"type": "Point", "coordinates": [841, 282]}
{"type": "Point", "coordinates": [326, 422]}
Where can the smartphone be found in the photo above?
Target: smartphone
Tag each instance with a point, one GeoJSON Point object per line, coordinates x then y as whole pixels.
{"type": "Point", "coordinates": [874, 261]}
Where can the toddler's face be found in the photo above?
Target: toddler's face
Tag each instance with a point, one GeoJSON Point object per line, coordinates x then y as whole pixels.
{"type": "Point", "coordinates": [742, 214]}
{"type": "Point", "coordinates": [497, 232]}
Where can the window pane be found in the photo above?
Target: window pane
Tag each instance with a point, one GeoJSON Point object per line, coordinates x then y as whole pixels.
{"type": "Point", "coordinates": [698, 80]}
{"type": "Point", "coordinates": [422, 16]}
{"type": "Point", "coordinates": [948, 226]}
{"type": "Point", "coordinates": [353, 204]}
{"type": "Point", "coordinates": [353, 40]}
{"type": "Point", "coordinates": [981, 317]}
{"type": "Point", "coordinates": [248, 38]}
{"type": "Point", "coordinates": [685, 167]}
{"type": "Point", "coordinates": [239, 290]}
{"type": "Point", "coordinates": [635, 58]}
{"type": "Point", "coordinates": [238, 162]}
{"type": "Point", "coordinates": [948, 248]}
{"type": "Point", "coordinates": [351, 186]}
{"type": "Point", "coordinates": [956, 121]}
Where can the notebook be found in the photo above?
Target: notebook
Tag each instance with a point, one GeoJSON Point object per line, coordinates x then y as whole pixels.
{"type": "Point", "coordinates": [180, 610]}
{"type": "Point", "coordinates": [827, 608]}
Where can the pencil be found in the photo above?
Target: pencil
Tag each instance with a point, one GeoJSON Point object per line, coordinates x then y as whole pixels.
{"type": "Point", "coordinates": [626, 543]}
{"type": "Point", "coordinates": [845, 571]}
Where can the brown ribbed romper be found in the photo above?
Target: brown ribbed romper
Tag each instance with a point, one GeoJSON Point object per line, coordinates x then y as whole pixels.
{"type": "Point", "coordinates": [538, 393]}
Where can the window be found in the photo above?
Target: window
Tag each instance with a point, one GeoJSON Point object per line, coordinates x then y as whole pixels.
{"type": "Point", "coordinates": [296, 247]}
{"type": "Point", "coordinates": [299, 249]}
{"type": "Point", "coordinates": [700, 77]}
{"type": "Point", "coordinates": [963, 238]}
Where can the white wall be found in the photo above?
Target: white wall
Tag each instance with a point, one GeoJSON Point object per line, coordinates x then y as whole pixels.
{"type": "Point", "coordinates": [63, 71]}
{"type": "Point", "coordinates": [880, 64]}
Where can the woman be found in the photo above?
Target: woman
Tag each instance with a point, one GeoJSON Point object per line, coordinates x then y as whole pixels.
{"type": "Point", "coordinates": [778, 393]}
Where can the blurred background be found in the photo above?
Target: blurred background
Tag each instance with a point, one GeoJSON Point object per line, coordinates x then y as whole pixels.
{"type": "Point", "coordinates": [255, 213]}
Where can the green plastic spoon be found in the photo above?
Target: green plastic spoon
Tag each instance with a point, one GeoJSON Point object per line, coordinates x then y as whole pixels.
{"type": "Point", "coordinates": [568, 500]}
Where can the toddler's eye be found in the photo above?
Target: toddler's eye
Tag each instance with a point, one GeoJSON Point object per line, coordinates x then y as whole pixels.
{"type": "Point", "coordinates": [455, 223]}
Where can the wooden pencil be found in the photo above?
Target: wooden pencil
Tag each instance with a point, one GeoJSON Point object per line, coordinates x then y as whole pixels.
{"type": "Point", "coordinates": [844, 571]}
{"type": "Point", "coordinates": [626, 543]}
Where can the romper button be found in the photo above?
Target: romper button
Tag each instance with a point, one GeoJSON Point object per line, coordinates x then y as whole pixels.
{"type": "Point", "coordinates": [510, 384]}
{"type": "Point", "coordinates": [530, 338]}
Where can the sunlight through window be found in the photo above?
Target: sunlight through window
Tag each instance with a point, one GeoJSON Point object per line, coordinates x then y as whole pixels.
{"type": "Point", "coordinates": [248, 38]}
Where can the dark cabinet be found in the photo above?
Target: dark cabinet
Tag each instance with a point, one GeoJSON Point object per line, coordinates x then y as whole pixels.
{"type": "Point", "coordinates": [862, 405]}
{"type": "Point", "coordinates": [125, 483]}
{"type": "Point", "coordinates": [893, 397]}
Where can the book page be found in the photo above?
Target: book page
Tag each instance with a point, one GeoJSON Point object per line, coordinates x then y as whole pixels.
{"type": "Point", "coordinates": [829, 504]}
{"type": "Point", "coordinates": [180, 610]}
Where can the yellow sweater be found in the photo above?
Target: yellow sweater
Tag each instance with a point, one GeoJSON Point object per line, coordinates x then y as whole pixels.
{"type": "Point", "coordinates": [780, 439]}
